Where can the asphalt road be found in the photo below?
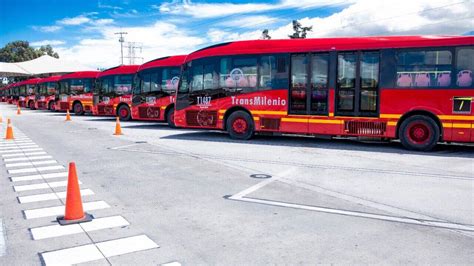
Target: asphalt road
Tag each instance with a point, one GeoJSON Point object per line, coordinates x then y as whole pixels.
{"type": "Point", "coordinates": [192, 193]}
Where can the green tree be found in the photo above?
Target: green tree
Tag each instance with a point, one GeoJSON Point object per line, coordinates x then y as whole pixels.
{"type": "Point", "coordinates": [19, 51]}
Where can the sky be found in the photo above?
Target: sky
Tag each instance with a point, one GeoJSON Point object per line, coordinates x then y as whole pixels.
{"type": "Point", "coordinates": [84, 30]}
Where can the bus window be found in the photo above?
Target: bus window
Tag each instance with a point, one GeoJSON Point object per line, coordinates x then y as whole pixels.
{"type": "Point", "coordinates": [299, 77]}
{"type": "Point", "coordinates": [197, 80]}
{"type": "Point", "coordinates": [273, 72]}
{"type": "Point", "coordinates": [346, 76]}
{"type": "Point", "coordinates": [123, 84]}
{"type": "Point", "coordinates": [369, 79]}
{"type": "Point", "coordinates": [319, 82]}
{"type": "Point", "coordinates": [79, 86]}
{"type": "Point", "coordinates": [63, 87]}
{"type": "Point", "coordinates": [170, 78]}
{"type": "Point", "coordinates": [424, 68]}
{"type": "Point", "coordinates": [465, 67]}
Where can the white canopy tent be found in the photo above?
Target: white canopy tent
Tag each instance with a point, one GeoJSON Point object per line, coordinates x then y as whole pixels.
{"type": "Point", "coordinates": [42, 65]}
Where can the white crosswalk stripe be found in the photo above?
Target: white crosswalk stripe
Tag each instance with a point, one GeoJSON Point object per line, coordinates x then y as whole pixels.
{"type": "Point", "coordinates": [36, 169]}
{"type": "Point", "coordinates": [38, 177]}
{"type": "Point", "coordinates": [13, 165]}
{"type": "Point", "coordinates": [32, 158]}
{"type": "Point", "coordinates": [51, 196]}
{"type": "Point", "coordinates": [59, 210]}
{"type": "Point", "coordinates": [41, 186]}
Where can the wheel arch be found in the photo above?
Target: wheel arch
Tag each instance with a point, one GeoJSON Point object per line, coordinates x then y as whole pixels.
{"type": "Point", "coordinates": [168, 108]}
{"type": "Point", "coordinates": [232, 110]}
{"type": "Point", "coordinates": [424, 113]}
{"type": "Point", "coordinates": [120, 105]}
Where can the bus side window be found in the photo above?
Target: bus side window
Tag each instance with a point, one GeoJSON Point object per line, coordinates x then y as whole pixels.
{"type": "Point", "coordinates": [346, 75]}
{"type": "Point", "coordinates": [464, 66]}
{"type": "Point", "coordinates": [273, 72]}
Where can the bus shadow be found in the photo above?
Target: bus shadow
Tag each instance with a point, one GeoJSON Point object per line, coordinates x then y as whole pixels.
{"type": "Point", "coordinates": [393, 147]}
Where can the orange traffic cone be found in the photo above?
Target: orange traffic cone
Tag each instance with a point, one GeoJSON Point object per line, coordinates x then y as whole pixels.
{"type": "Point", "coordinates": [68, 116]}
{"type": "Point", "coordinates": [9, 134]}
{"type": "Point", "coordinates": [118, 129]}
{"type": "Point", "coordinates": [18, 110]}
{"type": "Point", "coordinates": [74, 212]}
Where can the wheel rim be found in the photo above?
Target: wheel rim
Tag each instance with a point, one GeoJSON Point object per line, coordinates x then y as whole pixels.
{"type": "Point", "coordinates": [123, 112]}
{"type": "Point", "coordinates": [32, 105]}
{"type": "Point", "coordinates": [239, 126]}
{"type": "Point", "coordinates": [419, 133]}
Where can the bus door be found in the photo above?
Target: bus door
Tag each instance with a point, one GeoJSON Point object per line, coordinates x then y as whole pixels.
{"type": "Point", "coordinates": [308, 105]}
{"type": "Point", "coordinates": [357, 93]}
{"type": "Point", "coordinates": [147, 91]}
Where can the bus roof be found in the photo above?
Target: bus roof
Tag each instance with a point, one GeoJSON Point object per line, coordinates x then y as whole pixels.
{"type": "Point", "coordinates": [80, 75]}
{"type": "Point", "coordinates": [49, 79]}
{"type": "Point", "coordinates": [119, 70]}
{"type": "Point", "coordinates": [326, 44]}
{"type": "Point", "coordinates": [32, 81]}
{"type": "Point", "coordinates": [168, 61]}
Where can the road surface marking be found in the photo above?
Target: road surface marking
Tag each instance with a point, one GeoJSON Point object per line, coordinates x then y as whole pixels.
{"type": "Point", "coordinates": [37, 169]}
{"type": "Point", "coordinates": [41, 186]}
{"type": "Point", "coordinates": [21, 147]}
{"type": "Point", "coordinates": [98, 251]}
{"type": "Point", "coordinates": [59, 210]}
{"type": "Point", "coordinates": [63, 230]}
{"type": "Point", "coordinates": [37, 177]}
{"type": "Point", "coordinates": [50, 196]}
{"type": "Point", "coordinates": [23, 154]}
{"type": "Point", "coordinates": [126, 245]}
{"type": "Point", "coordinates": [13, 151]}
{"type": "Point", "coordinates": [32, 158]}
{"type": "Point", "coordinates": [12, 165]}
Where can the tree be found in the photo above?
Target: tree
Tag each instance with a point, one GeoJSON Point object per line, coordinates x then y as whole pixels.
{"type": "Point", "coordinates": [19, 51]}
{"type": "Point", "coordinates": [299, 31]}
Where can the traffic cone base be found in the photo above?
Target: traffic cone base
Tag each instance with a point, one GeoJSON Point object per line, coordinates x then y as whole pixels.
{"type": "Point", "coordinates": [74, 212]}
{"type": "Point", "coordinates": [18, 110]}
{"type": "Point", "coordinates": [87, 218]}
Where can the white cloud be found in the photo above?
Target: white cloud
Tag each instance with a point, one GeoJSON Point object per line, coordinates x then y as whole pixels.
{"type": "Point", "coordinates": [104, 21]}
{"type": "Point", "coordinates": [74, 21]}
{"type": "Point", "coordinates": [159, 39]}
{"type": "Point", "coordinates": [46, 42]}
{"type": "Point", "coordinates": [53, 28]}
{"type": "Point", "coordinates": [250, 22]}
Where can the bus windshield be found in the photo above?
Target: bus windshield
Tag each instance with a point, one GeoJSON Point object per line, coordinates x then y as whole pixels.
{"type": "Point", "coordinates": [117, 84]}
{"type": "Point", "coordinates": [157, 79]}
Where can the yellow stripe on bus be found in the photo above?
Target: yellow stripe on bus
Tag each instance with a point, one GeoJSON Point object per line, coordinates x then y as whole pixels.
{"type": "Point", "coordinates": [323, 121]}
{"type": "Point", "coordinates": [390, 116]}
{"type": "Point", "coordinates": [297, 120]}
{"type": "Point", "coordinates": [390, 123]}
{"type": "Point", "coordinates": [457, 117]}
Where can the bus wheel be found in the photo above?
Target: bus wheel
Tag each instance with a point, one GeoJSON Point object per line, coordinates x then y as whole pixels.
{"type": "Point", "coordinates": [240, 125]}
{"type": "Point", "coordinates": [170, 118]}
{"type": "Point", "coordinates": [419, 133]}
{"type": "Point", "coordinates": [32, 105]}
{"type": "Point", "coordinates": [78, 109]}
{"type": "Point", "coordinates": [124, 113]}
{"type": "Point", "coordinates": [52, 106]}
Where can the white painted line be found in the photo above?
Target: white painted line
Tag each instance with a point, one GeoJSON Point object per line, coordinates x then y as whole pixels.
{"type": "Point", "coordinates": [59, 210]}
{"type": "Point", "coordinates": [407, 220]}
{"type": "Point", "coordinates": [23, 150]}
{"type": "Point", "coordinates": [37, 169]}
{"type": "Point", "coordinates": [51, 196]}
{"type": "Point", "coordinates": [40, 176]}
{"type": "Point", "coordinates": [72, 256]}
{"type": "Point", "coordinates": [32, 158]}
{"type": "Point", "coordinates": [18, 147]}
{"type": "Point", "coordinates": [12, 165]}
{"type": "Point", "coordinates": [126, 245]}
{"type": "Point", "coordinates": [173, 263]}
{"type": "Point", "coordinates": [2, 239]}
{"type": "Point", "coordinates": [23, 154]}
{"type": "Point", "coordinates": [41, 186]}
{"type": "Point", "coordinates": [96, 224]}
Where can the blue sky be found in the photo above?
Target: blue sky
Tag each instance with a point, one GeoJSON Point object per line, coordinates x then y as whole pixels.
{"type": "Point", "coordinates": [84, 30]}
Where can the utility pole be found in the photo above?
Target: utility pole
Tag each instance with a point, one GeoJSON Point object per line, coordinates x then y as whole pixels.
{"type": "Point", "coordinates": [133, 48]}
{"type": "Point", "coordinates": [121, 40]}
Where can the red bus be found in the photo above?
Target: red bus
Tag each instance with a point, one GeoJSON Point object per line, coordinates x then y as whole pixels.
{"type": "Point", "coordinates": [113, 93]}
{"type": "Point", "coordinates": [155, 89]}
{"type": "Point", "coordinates": [418, 89]}
{"type": "Point", "coordinates": [46, 93]}
{"type": "Point", "coordinates": [76, 91]}
{"type": "Point", "coordinates": [24, 92]}
{"type": "Point", "coordinates": [5, 93]}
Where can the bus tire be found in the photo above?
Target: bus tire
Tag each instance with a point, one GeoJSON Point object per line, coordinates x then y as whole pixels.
{"type": "Point", "coordinates": [419, 132]}
{"type": "Point", "coordinates": [51, 106]}
{"type": "Point", "coordinates": [124, 112]}
{"type": "Point", "coordinates": [240, 125]}
{"type": "Point", "coordinates": [78, 108]}
{"type": "Point", "coordinates": [31, 104]}
{"type": "Point", "coordinates": [170, 118]}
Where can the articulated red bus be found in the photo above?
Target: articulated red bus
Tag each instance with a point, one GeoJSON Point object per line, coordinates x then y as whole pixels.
{"type": "Point", "coordinates": [155, 89]}
{"type": "Point", "coordinates": [113, 93]}
{"type": "Point", "coordinates": [46, 93]}
{"type": "Point", "coordinates": [418, 89]}
{"type": "Point", "coordinates": [76, 91]}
